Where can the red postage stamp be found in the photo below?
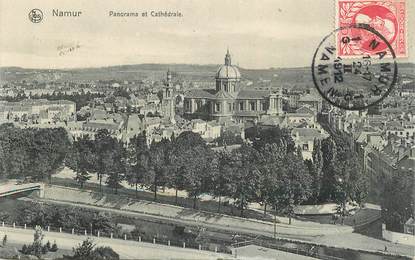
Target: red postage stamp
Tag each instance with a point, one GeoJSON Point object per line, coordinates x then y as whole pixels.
{"type": "Point", "coordinates": [387, 17]}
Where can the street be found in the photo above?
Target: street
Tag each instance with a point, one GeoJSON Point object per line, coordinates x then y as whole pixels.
{"type": "Point", "coordinates": [126, 249]}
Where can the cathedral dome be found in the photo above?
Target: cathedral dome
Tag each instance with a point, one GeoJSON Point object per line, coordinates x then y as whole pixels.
{"type": "Point", "coordinates": [228, 71]}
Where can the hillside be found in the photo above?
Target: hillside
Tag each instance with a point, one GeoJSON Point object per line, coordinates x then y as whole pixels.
{"type": "Point", "coordinates": [280, 76]}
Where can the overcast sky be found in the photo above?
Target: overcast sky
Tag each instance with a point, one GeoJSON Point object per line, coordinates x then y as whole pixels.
{"type": "Point", "coordinates": [259, 34]}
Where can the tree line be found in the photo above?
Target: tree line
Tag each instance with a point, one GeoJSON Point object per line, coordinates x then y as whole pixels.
{"type": "Point", "coordinates": [269, 170]}
{"type": "Point", "coordinates": [33, 153]}
{"type": "Point", "coordinates": [81, 99]}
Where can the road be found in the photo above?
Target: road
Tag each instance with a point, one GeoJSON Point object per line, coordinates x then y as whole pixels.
{"type": "Point", "coordinates": [359, 241]}
{"type": "Point", "coordinates": [126, 249]}
{"type": "Point", "coordinates": [11, 187]}
{"type": "Point", "coordinates": [230, 224]}
{"type": "Point", "coordinates": [335, 239]}
{"type": "Point", "coordinates": [188, 216]}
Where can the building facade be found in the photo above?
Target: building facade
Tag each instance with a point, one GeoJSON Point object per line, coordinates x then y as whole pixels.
{"type": "Point", "coordinates": [38, 111]}
{"type": "Point", "coordinates": [229, 100]}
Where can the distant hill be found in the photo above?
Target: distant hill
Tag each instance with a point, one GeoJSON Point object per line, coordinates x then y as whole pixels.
{"type": "Point", "coordinates": [279, 76]}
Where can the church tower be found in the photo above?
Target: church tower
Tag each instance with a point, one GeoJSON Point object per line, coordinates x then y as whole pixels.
{"type": "Point", "coordinates": [168, 102]}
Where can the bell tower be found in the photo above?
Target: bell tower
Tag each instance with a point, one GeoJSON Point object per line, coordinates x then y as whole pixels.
{"type": "Point", "coordinates": [168, 102]}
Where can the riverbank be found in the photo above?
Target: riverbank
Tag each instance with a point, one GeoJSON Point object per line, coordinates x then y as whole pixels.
{"type": "Point", "coordinates": [320, 234]}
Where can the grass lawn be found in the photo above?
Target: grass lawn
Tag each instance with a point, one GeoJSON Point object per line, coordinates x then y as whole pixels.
{"type": "Point", "coordinates": [206, 205]}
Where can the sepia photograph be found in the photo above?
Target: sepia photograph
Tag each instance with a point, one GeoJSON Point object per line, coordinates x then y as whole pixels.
{"type": "Point", "coordinates": [220, 130]}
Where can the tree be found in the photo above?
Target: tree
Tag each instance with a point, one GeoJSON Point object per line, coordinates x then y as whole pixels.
{"type": "Point", "coordinates": [102, 221]}
{"type": "Point", "coordinates": [84, 251]}
{"type": "Point", "coordinates": [297, 182]}
{"type": "Point", "coordinates": [229, 138]}
{"type": "Point", "coordinates": [245, 175]}
{"type": "Point", "coordinates": [76, 160]}
{"type": "Point", "coordinates": [196, 166]}
{"type": "Point", "coordinates": [187, 157]}
{"type": "Point", "coordinates": [340, 162]}
{"type": "Point", "coordinates": [268, 135]}
{"type": "Point", "coordinates": [158, 164]}
{"type": "Point", "coordinates": [328, 180]}
{"type": "Point", "coordinates": [316, 169]}
{"type": "Point", "coordinates": [220, 179]}
{"type": "Point", "coordinates": [270, 178]}
{"type": "Point", "coordinates": [104, 253]}
{"type": "Point", "coordinates": [103, 147]}
{"type": "Point", "coordinates": [350, 184]}
{"type": "Point", "coordinates": [114, 165]}
{"type": "Point", "coordinates": [37, 214]}
{"type": "Point", "coordinates": [175, 178]}
{"type": "Point", "coordinates": [188, 139]}
{"type": "Point", "coordinates": [88, 251]}
{"type": "Point", "coordinates": [36, 248]}
{"type": "Point", "coordinates": [138, 160]}
{"type": "Point", "coordinates": [398, 188]}
{"type": "Point", "coordinates": [37, 153]}
{"type": "Point", "coordinates": [49, 151]}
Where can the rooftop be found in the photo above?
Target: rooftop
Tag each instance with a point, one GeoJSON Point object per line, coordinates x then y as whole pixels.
{"type": "Point", "coordinates": [309, 98]}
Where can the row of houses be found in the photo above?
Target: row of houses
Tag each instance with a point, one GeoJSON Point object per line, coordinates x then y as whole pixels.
{"type": "Point", "coordinates": [38, 111]}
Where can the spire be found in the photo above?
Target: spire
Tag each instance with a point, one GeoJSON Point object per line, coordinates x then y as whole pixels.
{"type": "Point", "coordinates": [228, 58]}
{"type": "Point", "coordinates": [169, 77]}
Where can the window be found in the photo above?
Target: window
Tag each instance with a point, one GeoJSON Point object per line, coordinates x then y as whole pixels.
{"type": "Point", "coordinates": [241, 106]}
{"type": "Point", "coordinates": [264, 106]}
{"type": "Point", "coordinates": [198, 105]}
{"type": "Point", "coordinates": [217, 107]}
{"type": "Point", "coordinates": [229, 106]}
{"type": "Point", "coordinates": [252, 105]}
{"type": "Point", "coordinates": [305, 147]}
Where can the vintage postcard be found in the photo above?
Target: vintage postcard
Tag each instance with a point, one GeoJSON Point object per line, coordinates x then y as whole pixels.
{"type": "Point", "coordinates": [235, 129]}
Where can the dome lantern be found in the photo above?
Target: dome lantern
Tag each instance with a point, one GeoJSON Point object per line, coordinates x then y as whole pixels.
{"type": "Point", "coordinates": [228, 71]}
{"type": "Point", "coordinates": [228, 58]}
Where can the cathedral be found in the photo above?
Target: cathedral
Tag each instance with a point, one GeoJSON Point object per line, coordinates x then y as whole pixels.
{"type": "Point", "coordinates": [230, 100]}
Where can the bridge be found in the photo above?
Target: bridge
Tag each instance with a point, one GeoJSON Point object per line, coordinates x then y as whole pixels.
{"type": "Point", "coordinates": [14, 188]}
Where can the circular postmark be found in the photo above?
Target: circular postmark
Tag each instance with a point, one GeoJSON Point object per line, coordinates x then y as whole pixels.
{"type": "Point", "coordinates": [35, 15]}
{"type": "Point", "coordinates": [355, 83]}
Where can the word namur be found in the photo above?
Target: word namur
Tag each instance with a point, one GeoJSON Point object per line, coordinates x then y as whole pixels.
{"type": "Point", "coordinates": [60, 13]}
